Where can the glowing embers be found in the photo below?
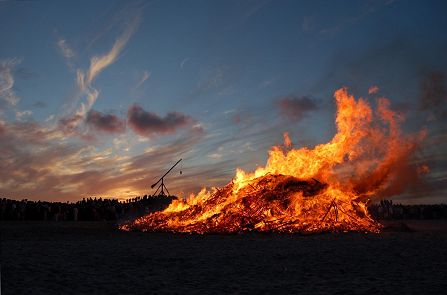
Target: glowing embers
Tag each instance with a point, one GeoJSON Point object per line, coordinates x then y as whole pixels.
{"type": "Point", "coordinates": [271, 203]}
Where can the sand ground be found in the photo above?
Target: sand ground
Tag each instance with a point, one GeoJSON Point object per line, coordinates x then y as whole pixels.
{"type": "Point", "coordinates": [95, 258]}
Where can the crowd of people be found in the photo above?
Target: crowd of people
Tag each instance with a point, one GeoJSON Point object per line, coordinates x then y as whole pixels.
{"type": "Point", "coordinates": [386, 209]}
{"type": "Point", "coordinates": [89, 209]}
{"type": "Point", "coordinates": [96, 209]}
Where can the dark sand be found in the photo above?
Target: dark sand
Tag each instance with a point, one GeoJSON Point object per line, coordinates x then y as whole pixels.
{"type": "Point", "coordinates": [94, 258]}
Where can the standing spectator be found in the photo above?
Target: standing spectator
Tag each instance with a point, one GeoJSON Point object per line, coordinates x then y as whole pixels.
{"type": "Point", "coordinates": [75, 214]}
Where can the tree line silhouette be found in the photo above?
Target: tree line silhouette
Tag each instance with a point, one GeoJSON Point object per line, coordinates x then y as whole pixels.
{"type": "Point", "coordinates": [88, 209]}
{"type": "Point", "coordinates": [99, 209]}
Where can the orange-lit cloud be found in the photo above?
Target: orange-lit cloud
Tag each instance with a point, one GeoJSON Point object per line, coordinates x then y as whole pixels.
{"type": "Point", "coordinates": [38, 163]}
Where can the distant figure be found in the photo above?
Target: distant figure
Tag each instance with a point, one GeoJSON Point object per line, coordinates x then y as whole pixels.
{"type": "Point", "coordinates": [380, 211]}
{"type": "Point", "coordinates": [75, 214]}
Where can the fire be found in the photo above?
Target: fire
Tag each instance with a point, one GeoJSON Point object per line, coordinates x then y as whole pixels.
{"type": "Point", "coordinates": [287, 140]}
{"type": "Point", "coordinates": [306, 190]}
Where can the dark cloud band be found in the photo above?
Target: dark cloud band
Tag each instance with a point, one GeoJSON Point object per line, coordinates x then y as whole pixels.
{"type": "Point", "coordinates": [146, 123]}
{"type": "Point", "coordinates": [105, 122]}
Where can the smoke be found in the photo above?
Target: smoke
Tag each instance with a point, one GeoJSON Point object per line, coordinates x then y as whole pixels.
{"type": "Point", "coordinates": [296, 108]}
{"type": "Point", "coordinates": [434, 93]}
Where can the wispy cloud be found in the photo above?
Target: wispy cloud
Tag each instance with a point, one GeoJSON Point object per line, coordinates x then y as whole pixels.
{"type": "Point", "coordinates": [21, 115]}
{"type": "Point", "coordinates": [183, 62]}
{"type": "Point", "coordinates": [308, 24]}
{"type": "Point", "coordinates": [99, 63]}
{"type": "Point", "coordinates": [217, 155]}
{"type": "Point", "coordinates": [256, 8]}
{"type": "Point", "coordinates": [7, 92]}
{"type": "Point", "coordinates": [267, 82]}
{"type": "Point", "coordinates": [213, 80]}
{"type": "Point", "coordinates": [65, 49]}
{"type": "Point", "coordinates": [146, 75]}
{"type": "Point", "coordinates": [368, 8]}
{"type": "Point", "coordinates": [84, 79]}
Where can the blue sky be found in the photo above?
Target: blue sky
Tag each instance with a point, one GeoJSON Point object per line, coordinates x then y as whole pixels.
{"type": "Point", "coordinates": [98, 98]}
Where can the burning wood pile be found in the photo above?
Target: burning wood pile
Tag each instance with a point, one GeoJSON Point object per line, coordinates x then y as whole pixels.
{"type": "Point", "coordinates": [307, 190]}
{"type": "Point", "coordinates": [271, 203]}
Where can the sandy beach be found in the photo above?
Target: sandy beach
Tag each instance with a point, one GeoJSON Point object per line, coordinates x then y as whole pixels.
{"type": "Point", "coordinates": [95, 258]}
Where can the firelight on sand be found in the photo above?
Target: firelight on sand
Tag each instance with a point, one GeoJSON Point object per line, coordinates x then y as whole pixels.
{"type": "Point", "coordinates": [307, 190]}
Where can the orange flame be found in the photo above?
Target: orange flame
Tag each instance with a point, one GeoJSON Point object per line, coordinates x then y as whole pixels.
{"type": "Point", "coordinates": [287, 140]}
{"type": "Point", "coordinates": [373, 90]}
{"type": "Point", "coordinates": [306, 190]}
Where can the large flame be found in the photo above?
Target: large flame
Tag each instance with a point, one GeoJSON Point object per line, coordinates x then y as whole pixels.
{"type": "Point", "coordinates": [306, 190]}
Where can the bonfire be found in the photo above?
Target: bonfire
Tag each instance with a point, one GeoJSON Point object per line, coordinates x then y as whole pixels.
{"type": "Point", "coordinates": [303, 190]}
